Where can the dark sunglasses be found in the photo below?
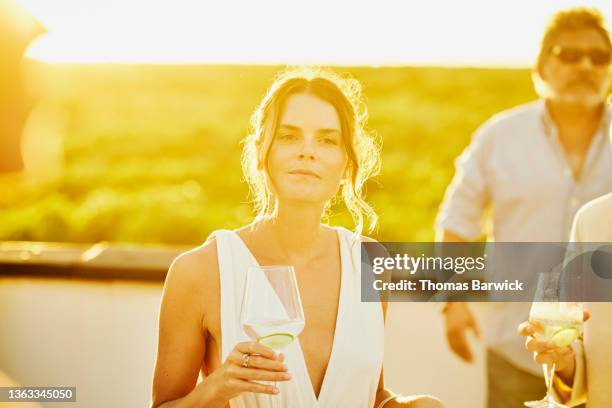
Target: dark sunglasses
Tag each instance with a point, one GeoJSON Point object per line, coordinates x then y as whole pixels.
{"type": "Point", "coordinates": [571, 55]}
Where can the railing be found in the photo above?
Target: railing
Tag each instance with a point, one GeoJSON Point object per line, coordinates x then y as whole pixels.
{"type": "Point", "coordinates": [81, 315]}
{"type": "Point", "coordinates": [98, 261]}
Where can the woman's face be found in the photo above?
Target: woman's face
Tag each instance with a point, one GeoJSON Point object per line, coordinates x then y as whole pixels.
{"type": "Point", "coordinates": [307, 158]}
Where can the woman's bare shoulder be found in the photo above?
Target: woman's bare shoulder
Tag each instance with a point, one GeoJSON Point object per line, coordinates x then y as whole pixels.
{"type": "Point", "coordinates": [198, 267]}
{"type": "Point", "coordinates": [245, 231]}
{"type": "Point", "coordinates": [596, 210]}
{"type": "Point", "coordinates": [591, 220]}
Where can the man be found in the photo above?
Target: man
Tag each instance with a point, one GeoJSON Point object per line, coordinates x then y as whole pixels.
{"type": "Point", "coordinates": [534, 166]}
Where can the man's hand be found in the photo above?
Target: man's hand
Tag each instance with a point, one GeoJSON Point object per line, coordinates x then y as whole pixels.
{"type": "Point", "coordinates": [458, 319]}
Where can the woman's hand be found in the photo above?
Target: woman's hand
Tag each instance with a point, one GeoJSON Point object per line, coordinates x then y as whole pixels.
{"type": "Point", "coordinates": [408, 401]}
{"type": "Point", "coordinates": [415, 401]}
{"type": "Point", "coordinates": [238, 372]}
{"type": "Point", "coordinates": [547, 352]}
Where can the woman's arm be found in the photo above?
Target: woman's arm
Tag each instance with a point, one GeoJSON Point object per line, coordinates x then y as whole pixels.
{"type": "Point", "coordinates": [182, 338]}
{"type": "Point", "coordinates": [413, 401]}
{"type": "Point", "coordinates": [187, 299]}
{"type": "Point", "coordinates": [382, 394]}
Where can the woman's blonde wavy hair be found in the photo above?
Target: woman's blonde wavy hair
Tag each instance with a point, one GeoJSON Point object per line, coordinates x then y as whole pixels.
{"type": "Point", "coordinates": [362, 147]}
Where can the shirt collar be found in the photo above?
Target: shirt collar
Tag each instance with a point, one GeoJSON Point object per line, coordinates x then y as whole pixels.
{"type": "Point", "coordinates": [550, 127]}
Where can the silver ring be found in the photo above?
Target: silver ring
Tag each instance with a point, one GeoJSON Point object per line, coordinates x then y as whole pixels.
{"type": "Point", "coordinates": [245, 360]}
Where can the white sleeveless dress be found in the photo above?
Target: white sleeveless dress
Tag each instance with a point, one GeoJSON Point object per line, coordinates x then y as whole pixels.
{"type": "Point", "coordinates": [355, 363]}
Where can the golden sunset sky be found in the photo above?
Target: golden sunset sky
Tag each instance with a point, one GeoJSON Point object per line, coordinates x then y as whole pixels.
{"type": "Point", "coordinates": [381, 32]}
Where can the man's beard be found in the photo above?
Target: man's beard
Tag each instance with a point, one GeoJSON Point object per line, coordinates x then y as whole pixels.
{"type": "Point", "coordinates": [592, 99]}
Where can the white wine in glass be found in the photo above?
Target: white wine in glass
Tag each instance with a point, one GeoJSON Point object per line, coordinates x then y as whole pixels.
{"type": "Point", "coordinates": [275, 334]}
{"type": "Point", "coordinates": [272, 312]}
{"type": "Point", "coordinates": [561, 323]}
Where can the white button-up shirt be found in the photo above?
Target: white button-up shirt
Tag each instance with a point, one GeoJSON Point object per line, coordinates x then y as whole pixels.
{"type": "Point", "coordinates": [516, 166]}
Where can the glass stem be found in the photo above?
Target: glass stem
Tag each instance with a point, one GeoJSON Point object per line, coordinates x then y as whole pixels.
{"type": "Point", "coordinates": [550, 373]}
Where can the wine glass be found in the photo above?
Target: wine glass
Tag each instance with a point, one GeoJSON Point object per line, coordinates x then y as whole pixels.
{"type": "Point", "coordinates": [561, 323]}
{"type": "Point", "coordinates": [272, 312]}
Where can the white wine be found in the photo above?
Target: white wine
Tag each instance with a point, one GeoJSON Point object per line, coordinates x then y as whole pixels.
{"type": "Point", "coordinates": [274, 334]}
{"type": "Point", "coordinates": [561, 332]}
{"type": "Point", "coordinates": [562, 322]}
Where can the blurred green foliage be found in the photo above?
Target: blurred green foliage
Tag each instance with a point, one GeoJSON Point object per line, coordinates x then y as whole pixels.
{"type": "Point", "coordinates": [152, 153]}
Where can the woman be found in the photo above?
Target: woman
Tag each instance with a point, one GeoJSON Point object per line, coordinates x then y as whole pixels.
{"type": "Point", "coordinates": [307, 144]}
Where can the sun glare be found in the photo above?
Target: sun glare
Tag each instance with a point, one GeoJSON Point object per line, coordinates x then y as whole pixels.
{"type": "Point", "coordinates": [385, 32]}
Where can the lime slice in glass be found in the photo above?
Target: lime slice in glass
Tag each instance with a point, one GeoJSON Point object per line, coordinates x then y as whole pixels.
{"type": "Point", "coordinates": [564, 336]}
{"type": "Point", "coordinates": [276, 341]}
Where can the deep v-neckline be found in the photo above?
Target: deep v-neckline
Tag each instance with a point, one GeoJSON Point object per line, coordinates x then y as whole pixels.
{"type": "Point", "coordinates": [337, 330]}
